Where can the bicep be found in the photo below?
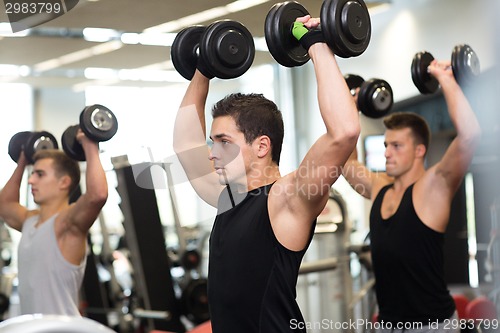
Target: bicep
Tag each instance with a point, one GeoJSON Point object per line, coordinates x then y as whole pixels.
{"type": "Point", "coordinates": [454, 164]}
{"type": "Point", "coordinates": [364, 181]}
{"type": "Point", "coordinates": [14, 215]}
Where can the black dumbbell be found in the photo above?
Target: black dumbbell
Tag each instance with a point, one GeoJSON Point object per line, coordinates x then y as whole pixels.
{"type": "Point", "coordinates": [464, 63]}
{"type": "Point", "coordinates": [226, 47]}
{"type": "Point", "coordinates": [97, 122]}
{"type": "Point", "coordinates": [30, 143]}
{"type": "Point", "coordinates": [375, 97]}
{"type": "Point", "coordinates": [345, 25]}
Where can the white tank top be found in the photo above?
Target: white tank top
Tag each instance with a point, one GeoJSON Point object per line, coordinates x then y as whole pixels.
{"type": "Point", "coordinates": [48, 283]}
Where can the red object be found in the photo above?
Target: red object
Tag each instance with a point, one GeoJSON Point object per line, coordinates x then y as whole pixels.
{"type": "Point", "coordinates": [205, 327]}
{"type": "Point", "coordinates": [461, 302]}
{"type": "Point", "coordinates": [481, 308]}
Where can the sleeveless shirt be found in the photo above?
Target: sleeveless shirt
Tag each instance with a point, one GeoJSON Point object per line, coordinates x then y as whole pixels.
{"type": "Point", "coordinates": [252, 277]}
{"type": "Point", "coordinates": [48, 283]}
{"type": "Point", "coordinates": [408, 265]}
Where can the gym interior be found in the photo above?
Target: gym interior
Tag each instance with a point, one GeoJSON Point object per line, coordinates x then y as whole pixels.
{"type": "Point", "coordinates": [147, 263]}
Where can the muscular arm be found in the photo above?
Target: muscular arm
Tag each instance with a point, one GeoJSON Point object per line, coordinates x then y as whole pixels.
{"type": "Point", "coordinates": [361, 179]}
{"type": "Point", "coordinates": [83, 213]}
{"type": "Point", "coordinates": [190, 143]}
{"type": "Point", "coordinates": [307, 189]}
{"type": "Point", "coordinates": [11, 210]}
{"type": "Point", "coordinates": [440, 182]}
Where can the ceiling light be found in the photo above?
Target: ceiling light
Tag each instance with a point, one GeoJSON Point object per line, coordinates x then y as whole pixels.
{"type": "Point", "coordinates": [99, 34]}
{"type": "Point", "coordinates": [206, 15]}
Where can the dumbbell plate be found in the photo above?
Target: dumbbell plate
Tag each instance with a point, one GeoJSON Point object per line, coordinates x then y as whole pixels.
{"type": "Point", "coordinates": [282, 45]}
{"type": "Point", "coordinates": [70, 145]}
{"type": "Point", "coordinates": [375, 98]}
{"type": "Point", "coordinates": [346, 26]}
{"type": "Point", "coordinates": [98, 123]}
{"type": "Point", "coordinates": [465, 64]}
{"type": "Point", "coordinates": [184, 51]}
{"type": "Point", "coordinates": [228, 49]}
{"type": "Point", "coordinates": [17, 144]}
{"type": "Point", "coordinates": [39, 141]}
{"type": "Point", "coordinates": [194, 301]}
{"type": "Point", "coordinates": [424, 82]}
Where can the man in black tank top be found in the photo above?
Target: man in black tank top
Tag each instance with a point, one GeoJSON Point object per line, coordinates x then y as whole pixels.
{"type": "Point", "coordinates": [411, 209]}
{"type": "Point", "coordinates": [265, 221]}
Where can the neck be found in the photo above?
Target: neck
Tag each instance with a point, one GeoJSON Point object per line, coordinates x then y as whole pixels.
{"type": "Point", "coordinates": [403, 181]}
{"type": "Point", "coordinates": [257, 177]}
{"type": "Point", "coordinates": [47, 210]}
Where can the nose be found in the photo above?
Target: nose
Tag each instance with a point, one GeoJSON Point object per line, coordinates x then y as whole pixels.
{"type": "Point", "coordinates": [213, 153]}
{"type": "Point", "coordinates": [387, 153]}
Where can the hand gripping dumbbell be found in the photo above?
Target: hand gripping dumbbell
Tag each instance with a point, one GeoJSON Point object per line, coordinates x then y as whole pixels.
{"type": "Point", "coordinates": [345, 25]}
{"type": "Point", "coordinates": [226, 48]}
{"type": "Point", "coordinates": [30, 143]}
{"type": "Point", "coordinates": [375, 97]}
{"type": "Point", "coordinates": [97, 122]}
{"type": "Point", "coordinates": [464, 63]}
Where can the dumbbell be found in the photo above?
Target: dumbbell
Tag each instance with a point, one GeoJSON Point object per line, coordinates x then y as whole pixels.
{"type": "Point", "coordinates": [375, 97]}
{"type": "Point", "coordinates": [97, 122]}
{"type": "Point", "coordinates": [226, 47]}
{"type": "Point", "coordinates": [30, 143]}
{"type": "Point", "coordinates": [464, 63]}
{"type": "Point", "coordinates": [345, 25]}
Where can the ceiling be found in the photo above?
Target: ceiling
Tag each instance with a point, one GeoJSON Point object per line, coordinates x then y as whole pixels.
{"type": "Point", "coordinates": [34, 50]}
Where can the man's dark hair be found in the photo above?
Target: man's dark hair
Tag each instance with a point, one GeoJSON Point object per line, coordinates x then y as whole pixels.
{"type": "Point", "coordinates": [417, 124]}
{"type": "Point", "coordinates": [63, 165]}
{"type": "Point", "coordinates": [254, 115]}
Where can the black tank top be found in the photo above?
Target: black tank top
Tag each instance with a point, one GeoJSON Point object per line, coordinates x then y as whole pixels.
{"type": "Point", "coordinates": [251, 276]}
{"type": "Point", "coordinates": [408, 265]}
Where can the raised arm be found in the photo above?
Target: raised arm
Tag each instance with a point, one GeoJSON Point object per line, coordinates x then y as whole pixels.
{"type": "Point", "coordinates": [451, 169]}
{"type": "Point", "coordinates": [11, 211]}
{"type": "Point", "coordinates": [436, 189]}
{"type": "Point", "coordinates": [305, 191]}
{"type": "Point", "coordinates": [83, 213]}
{"type": "Point", "coordinates": [361, 179]}
{"type": "Point", "coordinates": [190, 143]}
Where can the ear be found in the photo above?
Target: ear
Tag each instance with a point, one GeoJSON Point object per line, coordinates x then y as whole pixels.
{"type": "Point", "coordinates": [262, 145]}
{"type": "Point", "coordinates": [420, 151]}
{"type": "Point", "coordinates": [65, 182]}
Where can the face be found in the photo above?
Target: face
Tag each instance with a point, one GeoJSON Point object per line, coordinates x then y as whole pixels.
{"type": "Point", "coordinates": [230, 154]}
{"type": "Point", "coordinates": [400, 151]}
{"type": "Point", "coordinates": [44, 183]}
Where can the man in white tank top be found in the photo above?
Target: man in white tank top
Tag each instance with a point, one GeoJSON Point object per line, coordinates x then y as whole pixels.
{"type": "Point", "coordinates": [52, 250]}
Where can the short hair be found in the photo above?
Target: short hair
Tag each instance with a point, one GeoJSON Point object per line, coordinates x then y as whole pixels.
{"type": "Point", "coordinates": [63, 165]}
{"type": "Point", "coordinates": [254, 115]}
{"type": "Point", "coordinates": [416, 123]}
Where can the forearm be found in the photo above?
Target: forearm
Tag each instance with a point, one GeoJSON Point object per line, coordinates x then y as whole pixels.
{"type": "Point", "coordinates": [460, 111]}
{"type": "Point", "coordinates": [10, 192]}
{"type": "Point", "coordinates": [95, 177]}
{"type": "Point", "coordinates": [336, 104]}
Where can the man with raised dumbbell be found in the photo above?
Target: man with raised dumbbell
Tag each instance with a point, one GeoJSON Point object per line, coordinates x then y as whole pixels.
{"type": "Point", "coordinates": [411, 210]}
{"type": "Point", "coordinates": [53, 245]}
{"type": "Point", "coordinates": [265, 221]}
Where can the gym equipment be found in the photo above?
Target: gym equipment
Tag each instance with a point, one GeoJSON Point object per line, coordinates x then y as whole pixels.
{"type": "Point", "coordinates": [226, 47]}
{"type": "Point", "coordinates": [375, 97]}
{"type": "Point", "coordinates": [30, 143]}
{"type": "Point", "coordinates": [345, 25]}
{"type": "Point", "coordinates": [145, 239]}
{"type": "Point", "coordinates": [464, 63]}
{"type": "Point", "coordinates": [97, 122]}
{"type": "Point", "coordinates": [194, 300]}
